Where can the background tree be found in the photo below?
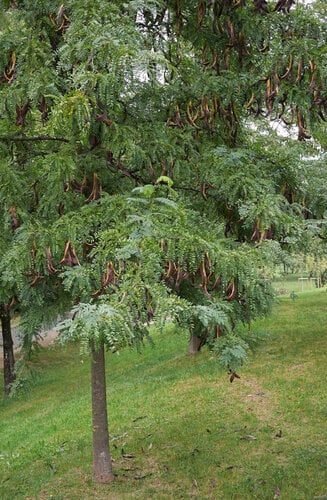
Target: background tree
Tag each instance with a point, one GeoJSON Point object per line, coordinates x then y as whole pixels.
{"type": "Point", "coordinates": [98, 99]}
{"type": "Point", "coordinates": [8, 348]}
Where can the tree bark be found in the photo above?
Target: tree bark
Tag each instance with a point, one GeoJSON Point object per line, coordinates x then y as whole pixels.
{"type": "Point", "coordinates": [8, 349]}
{"type": "Point", "coordinates": [195, 344]}
{"type": "Point", "coordinates": [102, 465]}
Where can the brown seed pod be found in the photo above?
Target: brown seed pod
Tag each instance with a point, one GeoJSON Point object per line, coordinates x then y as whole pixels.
{"type": "Point", "coordinates": [44, 111]}
{"type": "Point", "coordinates": [50, 265]}
{"type": "Point", "coordinates": [217, 282]}
{"type": "Point", "coordinates": [14, 220]}
{"type": "Point", "coordinates": [21, 112]}
{"type": "Point", "coordinates": [96, 189]}
{"type": "Point", "coordinates": [284, 5]}
{"type": "Point", "coordinates": [204, 59]}
{"type": "Point", "coordinates": [261, 6]}
{"type": "Point", "coordinates": [302, 134]}
{"type": "Point", "coordinates": [191, 119]}
{"type": "Point", "coordinates": [70, 258]}
{"type": "Point", "coordinates": [231, 33]}
{"type": "Point", "coordinates": [109, 277]}
{"type": "Point", "coordinates": [87, 248]}
{"type": "Point", "coordinates": [99, 292]}
{"type": "Point", "coordinates": [60, 209]}
{"type": "Point", "coordinates": [171, 269]}
{"type": "Point", "coordinates": [201, 13]}
{"type": "Point", "coordinates": [203, 286]}
{"type": "Point", "coordinates": [104, 118]}
{"type": "Point", "coordinates": [78, 187]}
{"type": "Point", "coordinates": [203, 273]}
{"type": "Point", "coordinates": [176, 120]}
{"type": "Point", "coordinates": [37, 279]}
{"type": "Point", "coordinates": [231, 291]}
{"type": "Point", "coordinates": [10, 74]}
{"type": "Point", "coordinates": [180, 276]}
{"type": "Point", "coordinates": [250, 101]}
{"type": "Point", "coordinates": [163, 245]}
{"type": "Point", "coordinates": [289, 68]}
{"type": "Point", "coordinates": [299, 73]}
{"type": "Point", "coordinates": [207, 263]}
{"type": "Point", "coordinates": [204, 191]}
{"type": "Point", "coordinates": [233, 376]}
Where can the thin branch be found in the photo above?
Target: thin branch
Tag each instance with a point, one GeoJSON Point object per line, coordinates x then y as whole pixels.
{"type": "Point", "coordinates": [38, 138]}
{"type": "Point", "coordinates": [132, 174]}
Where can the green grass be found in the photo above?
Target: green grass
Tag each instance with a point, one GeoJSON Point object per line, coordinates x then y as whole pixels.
{"type": "Point", "coordinates": [185, 424]}
{"type": "Point", "coordinates": [294, 283]}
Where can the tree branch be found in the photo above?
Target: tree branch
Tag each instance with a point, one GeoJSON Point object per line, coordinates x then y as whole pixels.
{"type": "Point", "coordinates": [38, 138]}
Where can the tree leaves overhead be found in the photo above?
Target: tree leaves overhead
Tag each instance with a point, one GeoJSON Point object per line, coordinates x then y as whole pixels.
{"type": "Point", "coordinates": [117, 117]}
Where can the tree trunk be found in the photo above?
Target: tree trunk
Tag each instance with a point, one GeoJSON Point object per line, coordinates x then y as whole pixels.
{"type": "Point", "coordinates": [8, 349]}
{"type": "Point", "coordinates": [102, 466]}
{"type": "Point", "coordinates": [195, 344]}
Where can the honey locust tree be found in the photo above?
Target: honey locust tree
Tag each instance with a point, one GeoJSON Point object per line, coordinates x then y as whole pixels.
{"type": "Point", "coordinates": [102, 98]}
{"type": "Point", "coordinates": [120, 272]}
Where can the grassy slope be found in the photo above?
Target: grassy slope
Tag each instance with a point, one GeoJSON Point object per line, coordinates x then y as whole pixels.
{"type": "Point", "coordinates": [185, 425]}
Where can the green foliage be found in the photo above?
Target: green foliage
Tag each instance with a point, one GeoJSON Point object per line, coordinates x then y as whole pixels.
{"type": "Point", "coordinates": [138, 170]}
{"type": "Point", "coordinates": [214, 315]}
{"type": "Point", "coordinates": [27, 377]}
{"type": "Point", "coordinates": [232, 350]}
{"type": "Point", "coordinates": [99, 323]}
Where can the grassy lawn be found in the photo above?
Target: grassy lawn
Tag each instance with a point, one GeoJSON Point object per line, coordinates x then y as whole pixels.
{"type": "Point", "coordinates": [189, 432]}
{"type": "Point", "coordinates": [294, 283]}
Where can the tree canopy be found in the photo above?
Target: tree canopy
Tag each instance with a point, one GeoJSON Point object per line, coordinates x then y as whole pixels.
{"type": "Point", "coordinates": [101, 98]}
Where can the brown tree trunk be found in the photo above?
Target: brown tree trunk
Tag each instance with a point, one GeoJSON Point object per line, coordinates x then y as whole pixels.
{"type": "Point", "coordinates": [102, 466]}
{"type": "Point", "coordinates": [8, 349]}
{"type": "Point", "coordinates": [195, 344]}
